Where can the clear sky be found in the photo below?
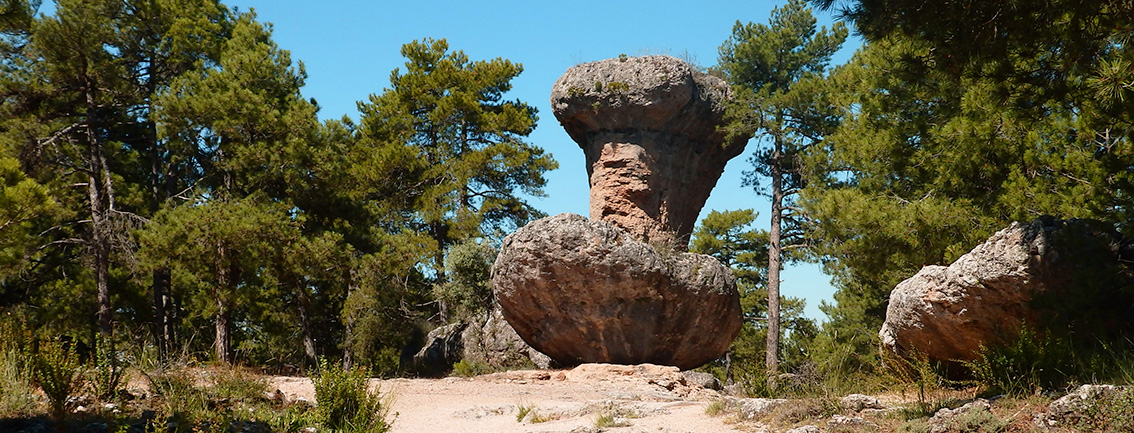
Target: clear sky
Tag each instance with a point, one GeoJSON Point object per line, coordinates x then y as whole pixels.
{"type": "Point", "coordinates": [349, 48]}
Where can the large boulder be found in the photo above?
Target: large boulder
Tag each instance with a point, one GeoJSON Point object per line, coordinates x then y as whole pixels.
{"type": "Point", "coordinates": [1066, 275]}
{"type": "Point", "coordinates": [587, 291]}
{"type": "Point", "coordinates": [649, 129]}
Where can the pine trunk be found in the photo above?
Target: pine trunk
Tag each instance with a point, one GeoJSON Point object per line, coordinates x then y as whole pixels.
{"type": "Point", "coordinates": [772, 354]}
{"type": "Point", "coordinates": [224, 281]}
{"type": "Point", "coordinates": [305, 326]}
{"type": "Point", "coordinates": [98, 189]}
{"type": "Point", "coordinates": [221, 345]}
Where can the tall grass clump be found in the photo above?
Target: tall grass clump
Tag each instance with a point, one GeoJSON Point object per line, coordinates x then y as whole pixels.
{"type": "Point", "coordinates": [345, 402]}
{"type": "Point", "coordinates": [17, 395]}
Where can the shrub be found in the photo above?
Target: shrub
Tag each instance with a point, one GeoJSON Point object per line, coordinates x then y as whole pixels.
{"type": "Point", "coordinates": [106, 377]}
{"type": "Point", "coordinates": [1025, 365]}
{"type": "Point", "coordinates": [465, 368]}
{"type": "Point", "coordinates": [58, 373]}
{"type": "Point", "coordinates": [920, 374]}
{"type": "Point", "coordinates": [345, 403]}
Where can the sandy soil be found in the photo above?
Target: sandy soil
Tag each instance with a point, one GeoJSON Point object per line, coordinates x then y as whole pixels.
{"type": "Point", "coordinates": [645, 398]}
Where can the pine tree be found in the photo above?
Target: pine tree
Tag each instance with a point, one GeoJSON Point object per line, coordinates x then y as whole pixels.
{"type": "Point", "coordinates": [451, 113]}
{"type": "Point", "coordinates": [776, 71]}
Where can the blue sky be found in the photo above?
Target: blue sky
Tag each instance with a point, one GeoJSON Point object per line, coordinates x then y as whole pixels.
{"type": "Point", "coordinates": [350, 47]}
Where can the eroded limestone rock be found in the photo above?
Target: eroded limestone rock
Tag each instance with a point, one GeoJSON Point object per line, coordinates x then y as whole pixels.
{"type": "Point", "coordinates": [648, 126]}
{"type": "Point", "coordinates": [587, 291]}
{"type": "Point", "coordinates": [1060, 274]}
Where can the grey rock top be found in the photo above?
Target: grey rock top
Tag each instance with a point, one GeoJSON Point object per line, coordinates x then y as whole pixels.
{"type": "Point", "coordinates": [654, 93]}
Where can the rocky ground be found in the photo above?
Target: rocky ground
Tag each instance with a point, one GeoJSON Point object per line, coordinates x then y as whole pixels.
{"type": "Point", "coordinates": [642, 398]}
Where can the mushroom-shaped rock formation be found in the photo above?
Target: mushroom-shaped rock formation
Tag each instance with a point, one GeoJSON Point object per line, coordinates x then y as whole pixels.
{"type": "Point", "coordinates": [586, 291]}
{"type": "Point", "coordinates": [648, 127]}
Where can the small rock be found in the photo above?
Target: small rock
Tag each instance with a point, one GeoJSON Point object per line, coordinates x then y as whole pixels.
{"type": "Point", "coordinates": [1071, 406]}
{"type": "Point", "coordinates": [751, 408]}
{"type": "Point", "coordinates": [805, 429]}
{"type": "Point", "coordinates": [943, 421]}
{"type": "Point", "coordinates": [734, 390]}
{"type": "Point", "coordinates": [858, 402]}
{"type": "Point", "coordinates": [443, 348]}
{"type": "Point", "coordinates": [858, 423]}
{"type": "Point", "coordinates": [702, 379]}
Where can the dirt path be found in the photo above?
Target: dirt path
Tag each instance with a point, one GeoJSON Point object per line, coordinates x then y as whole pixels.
{"type": "Point", "coordinates": [644, 398]}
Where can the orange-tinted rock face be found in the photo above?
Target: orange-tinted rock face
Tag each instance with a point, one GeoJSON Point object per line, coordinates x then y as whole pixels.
{"type": "Point", "coordinates": [648, 127]}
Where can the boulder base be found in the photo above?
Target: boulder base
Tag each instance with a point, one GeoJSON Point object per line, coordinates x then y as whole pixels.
{"type": "Point", "coordinates": [583, 291]}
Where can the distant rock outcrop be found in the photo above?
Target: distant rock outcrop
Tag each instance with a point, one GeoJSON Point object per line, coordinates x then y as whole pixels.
{"type": "Point", "coordinates": [1067, 275]}
{"type": "Point", "coordinates": [586, 291]}
{"type": "Point", "coordinates": [486, 340]}
{"type": "Point", "coordinates": [648, 126]}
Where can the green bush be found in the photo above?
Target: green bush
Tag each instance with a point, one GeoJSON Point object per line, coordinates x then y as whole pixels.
{"type": "Point", "coordinates": [106, 373]}
{"type": "Point", "coordinates": [58, 373]}
{"type": "Point", "coordinates": [467, 292]}
{"type": "Point", "coordinates": [345, 402]}
{"type": "Point", "coordinates": [465, 368]}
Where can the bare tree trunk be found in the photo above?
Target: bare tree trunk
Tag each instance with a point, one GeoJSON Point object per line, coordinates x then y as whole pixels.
{"type": "Point", "coordinates": [101, 199]}
{"type": "Point", "coordinates": [305, 326]}
{"type": "Point", "coordinates": [348, 326]}
{"type": "Point", "coordinates": [221, 345]}
{"type": "Point", "coordinates": [224, 281]}
{"type": "Point", "coordinates": [772, 354]}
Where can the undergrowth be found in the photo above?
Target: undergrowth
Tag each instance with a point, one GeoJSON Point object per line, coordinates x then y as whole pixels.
{"type": "Point", "coordinates": [346, 402]}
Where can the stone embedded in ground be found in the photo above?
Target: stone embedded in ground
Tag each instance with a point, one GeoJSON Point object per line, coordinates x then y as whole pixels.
{"type": "Point", "coordinates": [649, 129]}
{"type": "Point", "coordinates": [587, 291]}
{"type": "Point", "coordinates": [1078, 405]}
{"type": "Point", "coordinates": [1058, 274]}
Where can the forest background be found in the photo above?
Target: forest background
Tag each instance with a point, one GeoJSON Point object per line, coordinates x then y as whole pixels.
{"type": "Point", "coordinates": [166, 180]}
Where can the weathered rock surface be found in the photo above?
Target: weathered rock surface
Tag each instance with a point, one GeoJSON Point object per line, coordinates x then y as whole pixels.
{"type": "Point", "coordinates": [859, 402]}
{"type": "Point", "coordinates": [586, 291]}
{"type": "Point", "coordinates": [960, 419]}
{"type": "Point", "coordinates": [1048, 271]}
{"type": "Point", "coordinates": [702, 379]}
{"type": "Point", "coordinates": [443, 347]}
{"type": "Point", "coordinates": [1077, 405]}
{"type": "Point", "coordinates": [492, 341]}
{"type": "Point", "coordinates": [487, 340]}
{"type": "Point", "coordinates": [648, 127]}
